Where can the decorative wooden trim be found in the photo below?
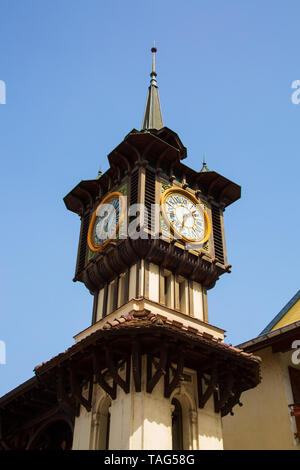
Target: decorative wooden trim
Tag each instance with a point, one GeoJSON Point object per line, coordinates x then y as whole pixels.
{"type": "Point", "coordinates": [203, 399]}
{"type": "Point", "coordinates": [105, 299]}
{"type": "Point", "coordinates": [225, 393]}
{"type": "Point", "coordinates": [234, 400]}
{"type": "Point", "coordinates": [116, 293]}
{"type": "Point", "coordinates": [136, 365]}
{"type": "Point", "coordinates": [95, 307]}
{"type": "Point", "coordinates": [152, 380]}
{"type": "Point", "coordinates": [76, 390]}
{"type": "Point", "coordinates": [113, 370]}
{"type": "Point", "coordinates": [111, 390]}
{"type": "Point", "coordinates": [62, 397]}
{"type": "Point", "coordinates": [170, 386]}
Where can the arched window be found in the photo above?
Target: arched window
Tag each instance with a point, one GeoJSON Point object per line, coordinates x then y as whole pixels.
{"type": "Point", "coordinates": [103, 425]}
{"type": "Point", "coordinates": [177, 429]}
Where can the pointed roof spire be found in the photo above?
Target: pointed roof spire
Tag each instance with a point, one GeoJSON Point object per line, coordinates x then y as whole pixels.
{"type": "Point", "coordinates": [204, 168]}
{"type": "Point", "coordinates": [152, 116]}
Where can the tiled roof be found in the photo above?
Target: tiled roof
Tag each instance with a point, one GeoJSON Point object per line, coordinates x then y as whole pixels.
{"type": "Point", "coordinates": [144, 320]}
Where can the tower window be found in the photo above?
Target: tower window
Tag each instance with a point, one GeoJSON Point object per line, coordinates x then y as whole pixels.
{"type": "Point", "coordinates": [218, 235]}
{"type": "Point", "coordinates": [168, 290]}
{"type": "Point", "coordinates": [112, 297]}
{"type": "Point", "coordinates": [83, 243]}
{"type": "Point", "coordinates": [182, 296]}
{"type": "Point", "coordinates": [123, 289]}
{"type": "Point", "coordinates": [177, 429]}
{"type": "Point", "coordinates": [103, 425]}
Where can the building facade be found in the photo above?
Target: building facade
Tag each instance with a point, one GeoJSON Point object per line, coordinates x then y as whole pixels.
{"type": "Point", "coordinates": [150, 372]}
{"type": "Point", "coordinates": [270, 417]}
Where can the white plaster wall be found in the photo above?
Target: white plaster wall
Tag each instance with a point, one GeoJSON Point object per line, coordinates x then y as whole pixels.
{"type": "Point", "coordinates": [132, 282]}
{"type": "Point", "coordinates": [210, 428]}
{"type": "Point", "coordinates": [141, 421]}
{"type": "Point", "coordinates": [82, 430]}
{"type": "Point", "coordinates": [197, 300]}
{"type": "Point", "coordinates": [154, 282]}
{"type": "Point", "coordinates": [100, 304]}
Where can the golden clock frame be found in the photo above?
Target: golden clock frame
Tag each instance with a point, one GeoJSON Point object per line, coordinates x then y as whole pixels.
{"type": "Point", "coordinates": [192, 198]}
{"type": "Point", "coordinates": [92, 222]}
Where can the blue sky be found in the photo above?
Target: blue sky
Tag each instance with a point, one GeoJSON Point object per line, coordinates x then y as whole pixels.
{"type": "Point", "coordinates": [77, 74]}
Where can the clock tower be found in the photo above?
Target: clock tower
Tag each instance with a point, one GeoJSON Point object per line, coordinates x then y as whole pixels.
{"type": "Point", "coordinates": [151, 371]}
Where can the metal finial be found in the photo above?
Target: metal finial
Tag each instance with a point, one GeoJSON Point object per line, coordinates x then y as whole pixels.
{"type": "Point", "coordinates": [152, 115]}
{"type": "Point", "coordinates": [153, 73]}
{"type": "Point", "coordinates": [99, 173]}
{"type": "Point", "coordinates": [204, 168]}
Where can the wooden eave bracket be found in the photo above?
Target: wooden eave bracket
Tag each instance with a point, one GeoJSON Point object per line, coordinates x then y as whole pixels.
{"type": "Point", "coordinates": [211, 386]}
{"type": "Point", "coordinates": [62, 396]}
{"type": "Point", "coordinates": [112, 367]}
{"type": "Point", "coordinates": [136, 365]}
{"type": "Point", "coordinates": [152, 380]}
{"type": "Point", "coordinates": [76, 390]}
{"type": "Point", "coordinates": [170, 386]}
{"type": "Point", "coordinates": [100, 379]}
{"type": "Point", "coordinates": [233, 400]}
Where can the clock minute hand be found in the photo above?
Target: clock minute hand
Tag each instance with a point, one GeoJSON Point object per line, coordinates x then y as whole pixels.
{"type": "Point", "coordinates": [183, 219]}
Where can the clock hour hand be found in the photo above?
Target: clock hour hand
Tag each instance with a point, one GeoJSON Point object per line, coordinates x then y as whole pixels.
{"type": "Point", "coordinates": [101, 217]}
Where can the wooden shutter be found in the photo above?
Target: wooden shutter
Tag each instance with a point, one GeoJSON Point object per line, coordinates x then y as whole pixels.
{"type": "Point", "coordinates": [83, 242]}
{"type": "Point", "coordinates": [149, 199]}
{"type": "Point", "coordinates": [217, 234]}
{"type": "Point", "coordinates": [134, 187]}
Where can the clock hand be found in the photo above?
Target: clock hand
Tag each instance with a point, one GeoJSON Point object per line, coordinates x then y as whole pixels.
{"type": "Point", "coordinates": [183, 219]}
{"type": "Point", "coordinates": [101, 217]}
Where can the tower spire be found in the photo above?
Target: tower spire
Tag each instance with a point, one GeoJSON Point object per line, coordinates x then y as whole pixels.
{"type": "Point", "coordinates": [204, 168]}
{"type": "Point", "coordinates": [152, 115]}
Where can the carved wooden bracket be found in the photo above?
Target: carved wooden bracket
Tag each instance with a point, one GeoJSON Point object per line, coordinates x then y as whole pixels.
{"type": "Point", "coordinates": [136, 365]}
{"type": "Point", "coordinates": [76, 390]}
{"type": "Point", "coordinates": [113, 368]}
{"type": "Point", "coordinates": [62, 395]}
{"type": "Point", "coordinates": [170, 386]}
{"type": "Point", "coordinates": [160, 368]}
{"type": "Point", "coordinates": [100, 378]}
{"type": "Point", "coordinates": [225, 392]}
{"type": "Point", "coordinates": [233, 400]}
{"type": "Point", "coordinates": [204, 397]}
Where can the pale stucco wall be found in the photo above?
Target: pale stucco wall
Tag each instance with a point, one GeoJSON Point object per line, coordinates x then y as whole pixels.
{"type": "Point", "coordinates": [143, 421]}
{"type": "Point", "coordinates": [264, 421]}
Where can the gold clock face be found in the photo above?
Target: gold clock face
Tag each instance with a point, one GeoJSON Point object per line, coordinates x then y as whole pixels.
{"type": "Point", "coordinates": [105, 221]}
{"type": "Point", "coordinates": [187, 219]}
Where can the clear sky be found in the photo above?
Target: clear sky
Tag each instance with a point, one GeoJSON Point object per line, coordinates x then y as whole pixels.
{"type": "Point", "coordinates": [76, 75]}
